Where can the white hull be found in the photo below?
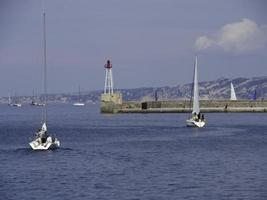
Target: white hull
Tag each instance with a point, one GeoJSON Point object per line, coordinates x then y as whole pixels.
{"type": "Point", "coordinates": [49, 144]}
{"type": "Point", "coordinates": [16, 104]}
{"type": "Point", "coordinates": [193, 123]}
{"type": "Point", "coordinates": [78, 104]}
{"type": "Point", "coordinates": [37, 104]}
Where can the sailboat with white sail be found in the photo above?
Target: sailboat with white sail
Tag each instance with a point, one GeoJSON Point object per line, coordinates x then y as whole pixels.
{"type": "Point", "coordinates": [196, 119]}
{"type": "Point", "coordinates": [79, 103]}
{"type": "Point", "coordinates": [233, 95]}
{"type": "Point", "coordinates": [43, 140]}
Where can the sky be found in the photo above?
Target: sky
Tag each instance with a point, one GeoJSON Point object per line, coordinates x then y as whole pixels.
{"type": "Point", "coordinates": [149, 42]}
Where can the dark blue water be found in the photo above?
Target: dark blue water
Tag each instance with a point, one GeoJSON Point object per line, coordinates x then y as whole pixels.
{"type": "Point", "coordinates": [150, 156]}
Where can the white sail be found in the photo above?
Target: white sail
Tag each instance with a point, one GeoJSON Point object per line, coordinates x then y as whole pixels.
{"type": "Point", "coordinates": [197, 119]}
{"type": "Point", "coordinates": [233, 95]}
{"type": "Point", "coordinates": [44, 127]}
{"type": "Point", "coordinates": [196, 92]}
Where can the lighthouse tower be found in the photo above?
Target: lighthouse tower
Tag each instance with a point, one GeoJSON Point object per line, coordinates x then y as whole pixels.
{"type": "Point", "coordinates": [108, 79]}
{"type": "Point", "coordinates": [109, 99]}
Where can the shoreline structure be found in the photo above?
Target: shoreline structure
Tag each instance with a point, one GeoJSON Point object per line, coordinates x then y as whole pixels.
{"type": "Point", "coordinates": [114, 104]}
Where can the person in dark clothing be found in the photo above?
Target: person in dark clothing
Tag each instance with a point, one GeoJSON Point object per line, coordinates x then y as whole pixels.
{"type": "Point", "coordinates": [202, 117]}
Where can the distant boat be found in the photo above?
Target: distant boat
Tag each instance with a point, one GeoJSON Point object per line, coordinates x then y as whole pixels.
{"type": "Point", "coordinates": [36, 104]}
{"type": "Point", "coordinates": [43, 140]}
{"type": "Point", "coordinates": [15, 104]}
{"type": "Point", "coordinates": [196, 119]}
{"type": "Point", "coordinates": [35, 101]}
{"type": "Point", "coordinates": [79, 103]}
{"type": "Point", "coordinates": [233, 95]}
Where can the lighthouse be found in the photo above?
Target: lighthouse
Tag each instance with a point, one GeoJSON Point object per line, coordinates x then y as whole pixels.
{"type": "Point", "coordinates": [109, 99]}
{"type": "Point", "coordinates": [108, 79]}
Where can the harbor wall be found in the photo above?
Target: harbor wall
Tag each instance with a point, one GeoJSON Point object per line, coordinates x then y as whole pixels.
{"type": "Point", "coordinates": [183, 106]}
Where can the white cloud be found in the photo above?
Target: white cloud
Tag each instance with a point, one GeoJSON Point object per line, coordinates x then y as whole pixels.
{"type": "Point", "coordinates": [203, 43]}
{"type": "Point", "coordinates": [237, 37]}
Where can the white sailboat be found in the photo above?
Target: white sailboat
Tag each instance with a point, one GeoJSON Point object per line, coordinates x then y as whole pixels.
{"type": "Point", "coordinates": [196, 119]}
{"type": "Point", "coordinates": [233, 95]}
{"type": "Point", "coordinates": [43, 140]}
{"type": "Point", "coordinates": [79, 103]}
{"type": "Point", "coordinates": [16, 104]}
{"type": "Point", "coordinates": [36, 101]}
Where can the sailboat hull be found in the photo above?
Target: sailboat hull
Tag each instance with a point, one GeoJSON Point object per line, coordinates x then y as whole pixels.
{"type": "Point", "coordinates": [48, 145]}
{"type": "Point", "coordinates": [37, 104]}
{"type": "Point", "coordinates": [78, 104]}
{"type": "Point", "coordinates": [15, 105]}
{"type": "Point", "coordinates": [193, 123]}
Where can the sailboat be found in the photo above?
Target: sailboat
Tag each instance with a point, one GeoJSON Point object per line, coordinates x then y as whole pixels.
{"type": "Point", "coordinates": [43, 140]}
{"type": "Point", "coordinates": [79, 103]}
{"type": "Point", "coordinates": [35, 101]}
{"type": "Point", "coordinates": [233, 95]}
{"type": "Point", "coordinates": [16, 104]}
{"type": "Point", "coordinates": [196, 119]}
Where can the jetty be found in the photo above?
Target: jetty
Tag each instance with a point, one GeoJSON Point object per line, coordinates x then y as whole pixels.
{"type": "Point", "coordinates": [116, 105]}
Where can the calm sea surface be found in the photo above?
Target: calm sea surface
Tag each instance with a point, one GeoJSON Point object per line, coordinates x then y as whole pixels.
{"type": "Point", "coordinates": [135, 156]}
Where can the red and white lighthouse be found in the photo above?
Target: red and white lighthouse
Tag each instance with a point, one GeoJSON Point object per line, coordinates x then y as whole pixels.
{"type": "Point", "coordinates": [108, 79]}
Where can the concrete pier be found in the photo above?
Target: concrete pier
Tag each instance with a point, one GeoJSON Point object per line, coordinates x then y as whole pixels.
{"type": "Point", "coordinates": [183, 106]}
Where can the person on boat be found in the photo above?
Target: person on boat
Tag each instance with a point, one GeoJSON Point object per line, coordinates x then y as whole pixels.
{"type": "Point", "coordinates": [42, 134]}
{"type": "Point", "coordinates": [198, 116]}
{"type": "Point", "coordinates": [202, 117]}
{"type": "Point", "coordinates": [194, 116]}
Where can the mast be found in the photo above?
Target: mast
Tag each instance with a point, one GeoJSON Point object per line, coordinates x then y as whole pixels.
{"type": "Point", "coordinates": [9, 99]}
{"type": "Point", "coordinates": [45, 89]}
{"type": "Point", "coordinates": [255, 95]}
{"type": "Point", "coordinates": [196, 91]}
{"type": "Point", "coordinates": [79, 94]}
{"type": "Point", "coordinates": [33, 96]}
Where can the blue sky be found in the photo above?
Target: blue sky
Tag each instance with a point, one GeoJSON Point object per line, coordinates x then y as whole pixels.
{"type": "Point", "coordinates": [150, 42]}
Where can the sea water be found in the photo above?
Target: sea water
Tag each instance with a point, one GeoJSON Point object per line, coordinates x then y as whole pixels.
{"type": "Point", "coordinates": [132, 156]}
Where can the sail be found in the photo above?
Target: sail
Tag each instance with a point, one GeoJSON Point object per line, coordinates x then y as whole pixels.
{"type": "Point", "coordinates": [196, 92]}
{"type": "Point", "coordinates": [233, 95]}
{"type": "Point", "coordinates": [44, 127]}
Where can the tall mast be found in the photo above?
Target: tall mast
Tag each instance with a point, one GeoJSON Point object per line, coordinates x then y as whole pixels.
{"type": "Point", "coordinates": [196, 92]}
{"type": "Point", "coordinates": [79, 94]}
{"type": "Point", "coordinates": [33, 96]}
{"type": "Point", "coordinates": [45, 89]}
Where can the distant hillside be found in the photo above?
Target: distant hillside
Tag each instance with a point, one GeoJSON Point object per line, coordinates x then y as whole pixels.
{"type": "Point", "coordinates": [218, 89]}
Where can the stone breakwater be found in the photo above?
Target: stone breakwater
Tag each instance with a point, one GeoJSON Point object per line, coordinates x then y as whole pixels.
{"type": "Point", "coordinates": [184, 106]}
